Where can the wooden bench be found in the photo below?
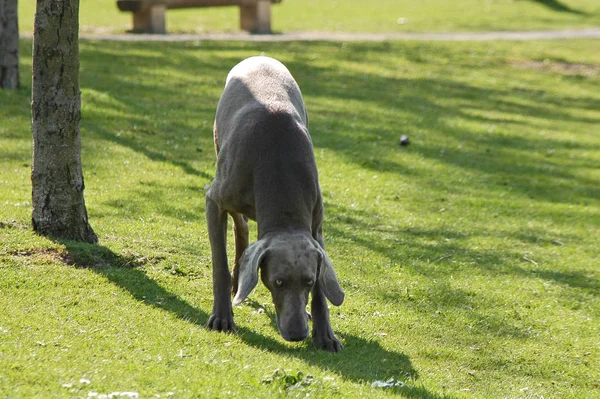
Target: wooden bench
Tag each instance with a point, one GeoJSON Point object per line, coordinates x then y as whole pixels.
{"type": "Point", "coordinates": [149, 15]}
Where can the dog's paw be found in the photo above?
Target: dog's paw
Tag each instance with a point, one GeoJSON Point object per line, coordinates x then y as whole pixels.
{"type": "Point", "coordinates": [223, 324]}
{"type": "Point", "coordinates": [328, 342]}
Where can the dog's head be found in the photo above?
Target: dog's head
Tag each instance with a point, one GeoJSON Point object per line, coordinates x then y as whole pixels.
{"type": "Point", "coordinates": [291, 264]}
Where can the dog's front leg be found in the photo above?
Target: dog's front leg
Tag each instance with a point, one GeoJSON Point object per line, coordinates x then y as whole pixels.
{"type": "Point", "coordinates": [322, 333]}
{"type": "Point", "coordinates": [221, 318]}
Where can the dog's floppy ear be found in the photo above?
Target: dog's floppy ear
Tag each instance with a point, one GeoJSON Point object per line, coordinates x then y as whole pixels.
{"type": "Point", "coordinates": [328, 279]}
{"type": "Point", "coordinates": [248, 270]}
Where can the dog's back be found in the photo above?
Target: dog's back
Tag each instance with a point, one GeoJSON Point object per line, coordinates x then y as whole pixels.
{"type": "Point", "coordinates": [256, 88]}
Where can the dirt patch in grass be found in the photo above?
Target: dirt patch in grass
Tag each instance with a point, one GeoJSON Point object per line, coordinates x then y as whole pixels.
{"type": "Point", "coordinates": [50, 253]}
{"type": "Point", "coordinates": [12, 225]}
{"type": "Point", "coordinates": [97, 258]}
{"type": "Point", "coordinates": [39, 255]}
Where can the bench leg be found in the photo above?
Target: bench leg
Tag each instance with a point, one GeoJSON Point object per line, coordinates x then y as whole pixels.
{"type": "Point", "coordinates": [150, 20]}
{"type": "Point", "coordinates": [256, 18]}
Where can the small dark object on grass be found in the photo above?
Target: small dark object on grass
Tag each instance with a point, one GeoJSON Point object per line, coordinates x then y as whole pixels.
{"type": "Point", "coordinates": [404, 140]}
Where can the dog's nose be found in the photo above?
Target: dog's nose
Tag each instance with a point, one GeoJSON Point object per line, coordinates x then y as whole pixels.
{"type": "Point", "coordinates": [296, 335]}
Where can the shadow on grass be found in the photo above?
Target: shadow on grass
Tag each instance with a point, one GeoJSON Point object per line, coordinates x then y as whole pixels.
{"type": "Point", "coordinates": [142, 145]}
{"type": "Point", "coordinates": [147, 100]}
{"type": "Point", "coordinates": [450, 122]}
{"type": "Point", "coordinates": [376, 362]}
{"type": "Point", "coordinates": [363, 361]}
{"type": "Point", "coordinates": [125, 272]}
{"type": "Point", "coordinates": [430, 250]}
{"type": "Point", "coordinates": [556, 5]}
{"type": "Point", "coordinates": [540, 168]}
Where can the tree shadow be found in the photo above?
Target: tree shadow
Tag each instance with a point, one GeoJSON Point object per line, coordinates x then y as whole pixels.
{"type": "Point", "coordinates": [556, 5]}
{"type": "Point", "coordinates": [126, 273]}
{"type": "Point", "coordinates": [139, 145]}
{"type": "Point", "coordinates": [575, 279]}
{"type": "Point", "coordinates": [130, 97]}
{"type": "Point", "coordinates": [431, 249]}
{"type": "Point", "coordinates": [538, 167]}
{"type": "Point", "coordinates": [127, 104]}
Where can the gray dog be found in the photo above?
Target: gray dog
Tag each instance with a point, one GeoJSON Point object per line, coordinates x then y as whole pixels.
{"type": "Point", "coordinates": [266, 171]}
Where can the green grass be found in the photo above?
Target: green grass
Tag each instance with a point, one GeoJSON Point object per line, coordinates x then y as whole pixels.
{"type": "Point", "coordinates": [101, 16]}
{"type": "Point", "coordinates": [469, 258]}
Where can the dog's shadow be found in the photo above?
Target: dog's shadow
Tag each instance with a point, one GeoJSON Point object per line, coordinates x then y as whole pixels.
{"type": "Point", "coordinates": [362, 361]}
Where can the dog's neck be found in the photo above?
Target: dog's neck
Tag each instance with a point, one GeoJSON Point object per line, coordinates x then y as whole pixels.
{"type": "Point", "coordinates": [286, 202]}
{"type": "Point", "coordinates": [285, 176]}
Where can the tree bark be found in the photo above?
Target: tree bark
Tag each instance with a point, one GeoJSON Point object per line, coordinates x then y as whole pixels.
{"type": "Point", "coordinates": [9, 44]}
{"type": "Point", "coordinates": [57, 177]}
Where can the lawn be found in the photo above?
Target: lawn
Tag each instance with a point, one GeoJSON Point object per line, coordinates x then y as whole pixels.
{"type": "Point", "coordinates": [469, 257]}
{"type": "Point", "coordinates": [102, 16]}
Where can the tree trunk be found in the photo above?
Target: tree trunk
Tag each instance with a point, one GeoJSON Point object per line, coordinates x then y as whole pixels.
{"type": "Point", "coordinates": [57, 177]}
{"type": "Point", "coordinates": [9, 44]}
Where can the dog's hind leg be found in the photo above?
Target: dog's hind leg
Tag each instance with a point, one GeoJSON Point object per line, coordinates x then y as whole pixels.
{"type": "Point", "coordinates": [240, 229]}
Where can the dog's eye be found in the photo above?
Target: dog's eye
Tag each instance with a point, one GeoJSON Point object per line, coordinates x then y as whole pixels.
{"type": "Point", "coordinates": [309, 283]}
{"type": "Point", "coordinates": [278, 283]}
